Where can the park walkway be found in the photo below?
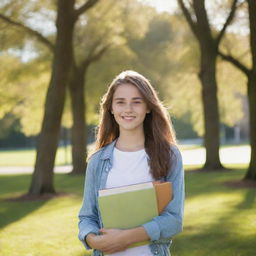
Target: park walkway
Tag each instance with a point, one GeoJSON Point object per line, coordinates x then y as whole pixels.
{"type": "Point", "coordinates": [191, 156]}
{"type": "Point", "coordinates": [28, 169]}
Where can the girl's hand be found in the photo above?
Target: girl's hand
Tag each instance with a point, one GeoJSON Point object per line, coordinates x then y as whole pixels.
{"type": "Point", "coordinates": [116, 240]}
{"type": "Point", "coordinates": [112, 240]}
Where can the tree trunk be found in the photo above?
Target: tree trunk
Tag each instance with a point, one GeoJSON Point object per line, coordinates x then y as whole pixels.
{"type": "Point", "coordinates": [251, 172]}
{"type": "Point", "coordinates": [79, 131]}
{"type": "Point", "coordinates": [207, 76]}
{"type": "Point", "coordinates": [251, 87]}
{"type": "Point", "coordinates": [208, 44]}
{"type": "Point", "coordinates": [42, 179]}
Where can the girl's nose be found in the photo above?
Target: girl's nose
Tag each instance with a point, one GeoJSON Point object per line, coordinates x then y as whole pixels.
{"type": "Point", "coordinates": [128, 107]}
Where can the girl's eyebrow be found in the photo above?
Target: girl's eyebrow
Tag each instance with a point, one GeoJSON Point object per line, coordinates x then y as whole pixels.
{"type": "Point", "coordinates": [134, 98]}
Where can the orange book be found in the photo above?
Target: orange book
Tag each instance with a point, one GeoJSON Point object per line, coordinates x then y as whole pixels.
{"type": "Point", "coordinates": [163, 194]}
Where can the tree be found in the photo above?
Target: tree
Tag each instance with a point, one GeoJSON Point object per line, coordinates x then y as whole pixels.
{"type": "Point", "coordinates": [92, 38]}
{"type": "Point", "coordinates": [169, 60]}
{"type": "Point", "coordinates": [250, 73]}
{"type": "Point", "coordinates": [91, 43]}
{"type": "Point", "coordinates": [67, 16]}
{"type": "Point", "coordinates": [208, 43]}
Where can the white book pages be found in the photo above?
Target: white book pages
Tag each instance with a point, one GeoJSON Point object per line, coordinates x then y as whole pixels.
{"type": "Point", "coordinates": [123, 189]}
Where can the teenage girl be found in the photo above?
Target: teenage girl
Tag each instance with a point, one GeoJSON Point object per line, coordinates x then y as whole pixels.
{"type": "Point", "coordinates": [135, 143]}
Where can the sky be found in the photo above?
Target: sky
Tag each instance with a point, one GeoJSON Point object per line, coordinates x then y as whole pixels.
{"type": "Point", "coordinates": [162, 5]}
{"type": "Point", "coordinates": [216, 18]}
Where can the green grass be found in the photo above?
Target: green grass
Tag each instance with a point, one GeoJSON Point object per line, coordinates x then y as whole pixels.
{"type": "Point", "coordinates": [219, 220]}
{"type": "Point", "coordinates": [40, 227]}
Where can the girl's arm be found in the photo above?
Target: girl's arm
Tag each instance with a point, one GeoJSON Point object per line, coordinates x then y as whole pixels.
{"type": "Point", "coordinates": [169, 222]}
{"type": "Point", "coordinates": [88, 216]}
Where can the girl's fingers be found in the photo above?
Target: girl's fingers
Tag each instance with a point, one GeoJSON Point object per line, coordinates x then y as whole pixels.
{"type": "Point", "coordinates": [103, 230]}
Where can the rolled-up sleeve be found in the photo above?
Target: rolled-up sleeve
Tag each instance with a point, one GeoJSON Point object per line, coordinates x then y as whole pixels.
{"type": "Point", "coordinates": [88, 215]}
{"type": "Point", "coordinates": [169, 222]}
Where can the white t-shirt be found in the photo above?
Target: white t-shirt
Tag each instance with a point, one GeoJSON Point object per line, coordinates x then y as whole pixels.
{"type": "Point", "coordinates": [130, 168]}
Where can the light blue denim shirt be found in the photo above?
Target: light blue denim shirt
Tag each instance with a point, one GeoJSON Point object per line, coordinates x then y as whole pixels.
{"type": "Point", "coordinates": [160, 229]}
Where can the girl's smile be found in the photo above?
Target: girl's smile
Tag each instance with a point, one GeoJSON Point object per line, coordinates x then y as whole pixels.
{"type": "Point", "coordinates": [128, 118]}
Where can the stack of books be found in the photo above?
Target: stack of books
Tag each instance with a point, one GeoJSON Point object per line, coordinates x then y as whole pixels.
{"type": "Point", "coordinates": [131, 206]}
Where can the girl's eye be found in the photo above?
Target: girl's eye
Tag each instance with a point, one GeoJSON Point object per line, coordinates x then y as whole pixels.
{"type": "Point", "coordinates": [137, 102]}
{"type": "Point", "coordinates": [119, 102]}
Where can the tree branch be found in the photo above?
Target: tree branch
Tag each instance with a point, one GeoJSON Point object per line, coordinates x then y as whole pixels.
{"type": "Point", "coordinates": [99, 53]}
{"type": "Point", "coordinates": [29, 30]}
{"type": "Point", "coordinates": [235, 62]}
{"type": "Point", "coordinates": [187, 15]}
{"type": "Point", "coordinates": [87, 5]}
{"type": "Point", "coordinates": [228, 21]}
{"type": "Point", "coordinates": [93, 56]}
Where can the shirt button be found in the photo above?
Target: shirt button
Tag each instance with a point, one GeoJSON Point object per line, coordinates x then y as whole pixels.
{"type": "Point", "coordinates": [155, 252]}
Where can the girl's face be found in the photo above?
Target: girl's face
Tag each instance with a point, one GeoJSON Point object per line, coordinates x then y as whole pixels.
{"type": "Point", "coordinates": [129, 108]}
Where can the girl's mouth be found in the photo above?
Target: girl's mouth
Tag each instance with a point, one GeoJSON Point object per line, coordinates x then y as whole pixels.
{"type": "Point", "coordinates": [128, 117]}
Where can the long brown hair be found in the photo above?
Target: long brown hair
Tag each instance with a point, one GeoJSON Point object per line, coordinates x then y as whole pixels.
{"type": "Point", "coordinates": [158, 130]}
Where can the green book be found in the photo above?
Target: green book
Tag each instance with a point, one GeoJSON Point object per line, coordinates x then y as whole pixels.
{"type": "Point", "coordinates": [128, 206]}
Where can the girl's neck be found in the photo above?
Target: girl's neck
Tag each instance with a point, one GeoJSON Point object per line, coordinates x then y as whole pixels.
{"type": "Point", "coordinates": [130, 142]}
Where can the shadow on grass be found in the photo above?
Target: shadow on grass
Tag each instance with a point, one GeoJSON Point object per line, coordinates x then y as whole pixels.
{"type": "Point", "coordinates": [200, 182]}
{"type": "Point", "coordinates": [14, 211]}
{"type": "Point", "coordinates": [228, 235]}
{"type": "Point", "coordinates": [213, 244]}
{"type": "Point", "coordinates": [249, 200]}
{"type": "Point", "coordinates": [14, 186]}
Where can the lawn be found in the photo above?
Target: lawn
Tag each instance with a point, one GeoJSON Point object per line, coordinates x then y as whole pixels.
{"type": "Point", "coordinates": [219, 220]}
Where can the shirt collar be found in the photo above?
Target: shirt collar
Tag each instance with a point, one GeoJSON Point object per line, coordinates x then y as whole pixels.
{"type": "Point", "coordinates": [108, 151]}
